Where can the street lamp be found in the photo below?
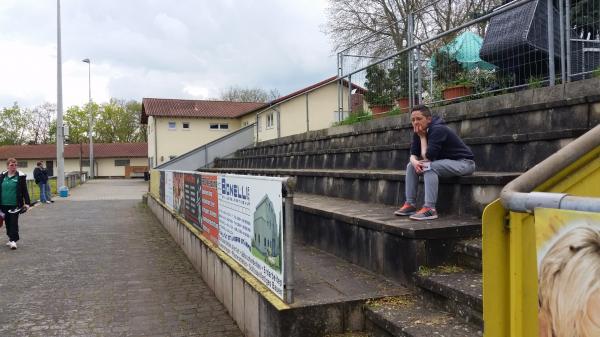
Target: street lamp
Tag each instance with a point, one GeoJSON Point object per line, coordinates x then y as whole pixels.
{"type": "Point", "coordinates": [91, 116]}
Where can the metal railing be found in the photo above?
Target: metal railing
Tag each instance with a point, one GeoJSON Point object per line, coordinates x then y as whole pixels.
{"type": "Point", "coordinates": [72, 179]}
{"type": "Point", "coordinates": [522, 44]}
{"type": "Point", "coordinates": [205, 155]}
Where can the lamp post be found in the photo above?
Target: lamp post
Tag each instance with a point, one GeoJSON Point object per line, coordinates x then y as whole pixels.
{"type": "Point", "coordinates": [91, 117]}
{"type": "Point", "coordinates": [60, 159]}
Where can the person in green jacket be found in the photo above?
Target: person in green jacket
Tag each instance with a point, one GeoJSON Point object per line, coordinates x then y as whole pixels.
{"type": "Point", "coordinates": [13, 194]}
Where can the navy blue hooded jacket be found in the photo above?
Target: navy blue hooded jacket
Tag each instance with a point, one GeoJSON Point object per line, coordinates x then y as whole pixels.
{"type": "Point", "coordinates": [442, 143]}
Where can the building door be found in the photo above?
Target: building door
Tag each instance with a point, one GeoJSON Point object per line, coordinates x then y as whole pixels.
{"type": "Point", "coordinates": [50, 167]}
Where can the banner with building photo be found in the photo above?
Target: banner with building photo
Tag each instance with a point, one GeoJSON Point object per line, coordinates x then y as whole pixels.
{"type": "Point", "coordinates": [568, 255]}
{"type": "Point", "coordinates": [169, 189]}
{"type": "Point", "coordinates": [192, 197]}
{"type": "Point", "coordinates": [210, 207]}
{"type": "Point", "coordinates": [178, 192]}
{"type": "Point", "coordinates": [251, 226]}
{"type": "Point", "coordinates": [161, 187]}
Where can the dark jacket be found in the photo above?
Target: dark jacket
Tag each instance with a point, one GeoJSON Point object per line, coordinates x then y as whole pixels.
{"type": "Point", "coordinates": [22, 193]}
{"type": "Point", "coordinates": [40, 175]}
{"type": "Point", "coordinates": [442, 143]}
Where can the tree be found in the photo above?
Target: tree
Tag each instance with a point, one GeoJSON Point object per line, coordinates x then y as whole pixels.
{"type": "Point", "coordinates": [13, 125]}
{"type": "Point", "coordinates": [78, 119]}
{"type": "Point", "coordinates": [119, 122]}
{"type": "Point", "coordinates": [378, 28]}
{"type": "Point", "coordinates": [42, 119]}
{"type": "Point", "coordinates": [237, 94]}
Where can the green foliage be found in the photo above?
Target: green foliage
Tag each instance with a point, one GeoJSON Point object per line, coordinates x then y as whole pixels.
{"type": "Point", "coordinates": [534, 82]}
{"type": "Point", "coordinates": [78, 119]}
{"type": "Point", "coordinates": [395, 111]}
{"type": "Point", "coordinates": [585, 15]}
{"type": "Point", "coordinates": [119, 122]}
{"type": "Point", "coordinates": [596, 72]}
{"type": "Point", "coordinates": [398, 76]}
{"type": "Point", "coordinates": [448, 70]}
{"type": "Point", "coordinates": [13, 125]}
{"type": "Point", "coordinates": [379, 86]}
{"type": "Point", "coordinates": [355, 117]}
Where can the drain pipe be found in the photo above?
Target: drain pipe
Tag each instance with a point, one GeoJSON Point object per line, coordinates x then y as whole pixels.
{"type": "Point", "coordinates": [516, 195]}
{"type": "Point", "coordinates": [288, 193]}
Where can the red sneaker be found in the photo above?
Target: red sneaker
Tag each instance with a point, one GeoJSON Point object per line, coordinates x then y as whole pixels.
{"type": "Point", "coordinates": [406, 209]}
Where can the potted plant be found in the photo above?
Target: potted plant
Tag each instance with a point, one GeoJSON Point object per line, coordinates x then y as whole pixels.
{"type": "Point", "coordinates": [378, 93]}
{"type": "Point", "coordinates": [451, 75]}
{"type": "Point", "coordinates": [399, 80]}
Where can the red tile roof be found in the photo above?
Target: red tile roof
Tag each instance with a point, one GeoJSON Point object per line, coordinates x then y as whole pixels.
{"type": "Point", "coordinates": [102, 150]}
{"type": "Point", "coordinates": [194, 108]}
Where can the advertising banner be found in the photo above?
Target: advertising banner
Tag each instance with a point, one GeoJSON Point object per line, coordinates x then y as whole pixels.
{"type": "Point", "coordinates": [169, 189]}
{"type": "Point", "coordinates": [568, 255]}
{"type": "Point", "coordinates": [250, 225]}
{"type": "Point", "coordinates": [192, 198]}
{"type": "Point", "coordinates": [178, 193]}
{"type": "Point", "coordinates": [161, 188]}
{"type": "Point", "coordinates": [210, 207]}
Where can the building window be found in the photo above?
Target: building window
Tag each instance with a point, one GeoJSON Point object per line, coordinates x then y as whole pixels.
{"type": "Point", "coordinates": [85, 162]}
{"type": "Point", "coordinates": [185, 125]}
{"type": "Point", "coordinates": [22, 164]}
{"type": "Point", "coordinates": [270, 119]}
{"type": "Point", "coordinates": [171, 157]}
{"type": "Point", "coordinates": [172, 125]}
{"type": "Point", "coordinates": [121, 162]}
{"type": "Point", "coordinates": [217, 126]}
{"type": "Point", "coordinates": [245, 123]}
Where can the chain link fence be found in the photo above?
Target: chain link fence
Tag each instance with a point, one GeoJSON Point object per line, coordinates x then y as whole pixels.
{"type": "Point", "coordinates": [514, 46]}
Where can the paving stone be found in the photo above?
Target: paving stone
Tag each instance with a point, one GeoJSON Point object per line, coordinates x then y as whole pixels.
{"type": "Point", "coordinates": [99, 264]}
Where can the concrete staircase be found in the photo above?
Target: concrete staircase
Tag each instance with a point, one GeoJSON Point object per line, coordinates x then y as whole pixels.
{"type": "Point", "coordinates": [350, 180]}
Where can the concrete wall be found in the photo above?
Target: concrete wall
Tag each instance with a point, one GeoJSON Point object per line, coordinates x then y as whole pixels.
{"type": "Point", "coordinates": [239, 297]}
{"type": "Point", "coordinates": [178, 141]}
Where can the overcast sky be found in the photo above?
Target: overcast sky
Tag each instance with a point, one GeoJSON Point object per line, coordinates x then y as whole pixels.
{"type": "Point", "coordinates": [160, 48]}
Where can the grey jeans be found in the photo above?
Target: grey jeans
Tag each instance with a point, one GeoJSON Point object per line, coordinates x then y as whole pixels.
{"type": "Point", "coordinates": [439, 168]}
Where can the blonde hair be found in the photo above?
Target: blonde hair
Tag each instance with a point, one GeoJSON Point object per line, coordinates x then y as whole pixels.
{"type": "Point", "coordinates": [569, 281]}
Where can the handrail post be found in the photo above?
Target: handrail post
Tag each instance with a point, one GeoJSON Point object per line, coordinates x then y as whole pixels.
{"type": "Point", "coordinates": [288, 232]}
{"type": "Point", "coordinates": [550, 27]}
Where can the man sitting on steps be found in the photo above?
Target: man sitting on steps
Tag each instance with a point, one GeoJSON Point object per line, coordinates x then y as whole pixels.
{"type": "Point", "coordinates": [435, 151]}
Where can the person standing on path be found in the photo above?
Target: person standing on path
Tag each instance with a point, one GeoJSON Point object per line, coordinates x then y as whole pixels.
{"type": "Point", "coordinates": [435, 151]}
{"type": "Point", "coordinates": [13, 194]}
{"type": "Point", "coordinates": [40, 174]}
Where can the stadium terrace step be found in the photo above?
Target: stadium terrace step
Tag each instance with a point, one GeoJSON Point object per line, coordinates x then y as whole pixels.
{"type": "Point", "coordinates": [512, 152]}
{"type": "Point", "coordinates": [468, 253]}
{"type": "Point", "coordinates": [371, 236]}
{"type": "Point", "coordinates": [455, 289]}
{"type": "Point", "coordinates": [458, 195]}
{"type": "Point", "coordinates": [411, 317]}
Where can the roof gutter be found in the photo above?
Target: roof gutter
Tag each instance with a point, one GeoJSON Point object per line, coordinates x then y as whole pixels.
{"type": "Point", "coordinates": [517, 196]}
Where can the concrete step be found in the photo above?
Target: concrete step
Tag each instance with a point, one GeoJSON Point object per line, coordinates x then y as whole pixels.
{"type": "Point", "coordinates": [454, 289]}
{"type": "Point", "coordinates": [411, 317]}
{"type": "Point", "coordinates": [458, 195]}
{"type": "Point", "coordinates": [371, 236]}
{"type": "Point", "coordinates": [511, 152]}
{"type": "Point", "coordinates": [468, 253]}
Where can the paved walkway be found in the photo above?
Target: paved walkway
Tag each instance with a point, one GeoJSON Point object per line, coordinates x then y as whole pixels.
{"type": "Point", "coordinates": [99, 264]}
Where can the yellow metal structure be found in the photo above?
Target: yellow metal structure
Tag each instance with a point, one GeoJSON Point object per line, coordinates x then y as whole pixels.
{"type": "Point", "coordinates": [155, 183]}
{"type": "Point", "coordinates": [510, 306]}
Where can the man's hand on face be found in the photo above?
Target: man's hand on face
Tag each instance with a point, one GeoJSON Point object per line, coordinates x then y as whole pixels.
{"type": "Point", "coordinates": [419, 130]}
